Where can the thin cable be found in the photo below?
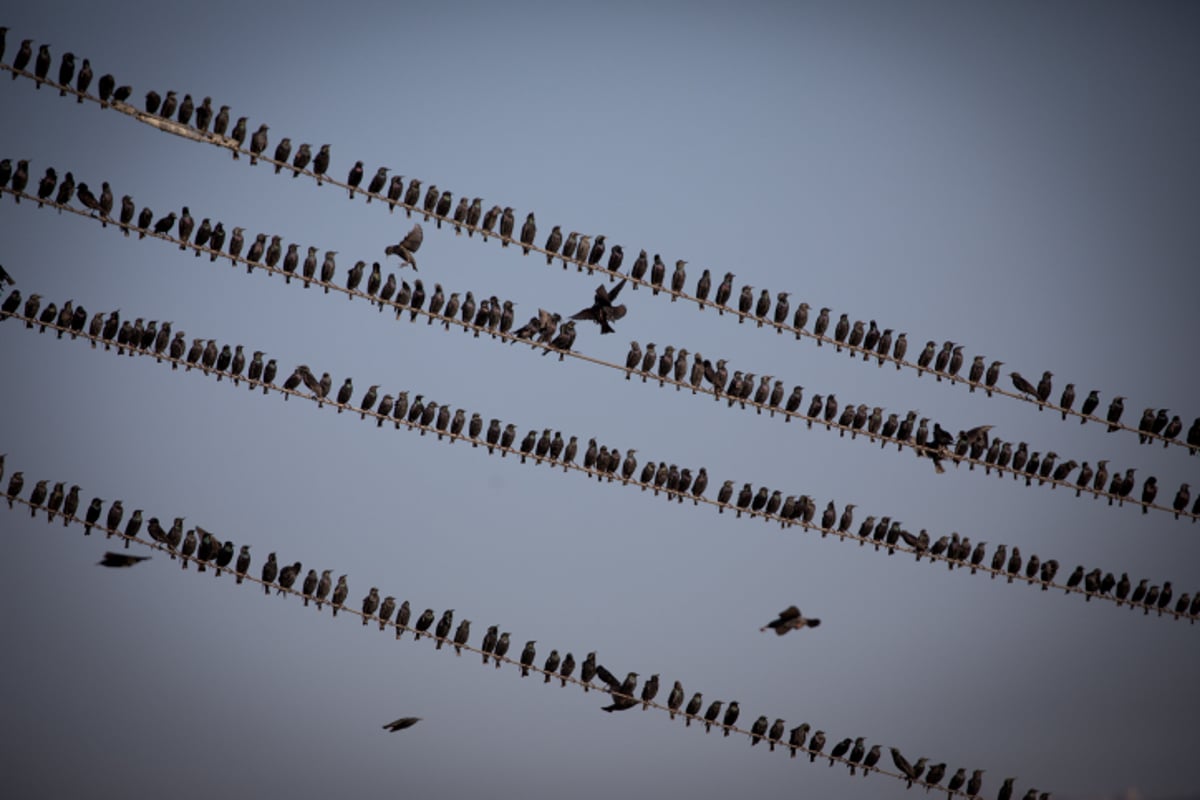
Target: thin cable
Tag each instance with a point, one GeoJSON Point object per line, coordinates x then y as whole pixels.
{"type": "Point", "coordinates": [187, 132]}
{"type": "Point", "coordinates": [600, 475]}
{"type": "Point", "coordinates": [449, 641]}
{"type": "Point", "coordinates": [918, 449]}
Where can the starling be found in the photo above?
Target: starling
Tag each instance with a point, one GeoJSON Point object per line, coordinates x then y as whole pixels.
{"type": "Point", "coordinates": [528, 232]}
{"type": "Point", "coordinates": [702, 287]}
{"type": "Point", "coordinates": [675, 699]}
{"type": "Point", "coordinates": [320, 163]}
{"type": "Point", "coordinates": [1115, 409]}
{"type": "Point", "coordinates": [649, 691]}
{"type": "Point", "coordinates": [120, 560]}
{"type": "Point", "coordinates": [42, 65]}
{"type": "Point", "coordinates": [21, 59]}
{"type": "Point", "coordinates": [790, 619]}
{"type": "Point", "coordinates": [340, 592]}
{"type": "Point", "coordinates": [975, 784]}
{"type": "Point", "coordinates": [506, 226]}
{"type": "Point", "coordinates": [551, 665]}
{"type": "Point", "coordinates": [711, 714]}
{"type": "Point", "coordinates": [527, 656]}
{"type": "Point", "coordinates": [588, 670]}
{"type": "Point", "coordinates": [402, 616]}
{"type": "Point", "coordinates": [238, 135]}
{"type": "Point", "coordinates": [489, 642]}
{"type": "Point", "coordinates": [602, 311]}
{"type": "Point", "coordinates": [407, 247]}
{"type": "Point", "coordinates": [401, 724]}
{"type": "Point", "coordinates": [758, 730]}
{"type": "Point", "coordinates": [553, 242]}
{"type": "Point", "coordinates": [258, 143]}
{"type": "Point", "coordinates": [269, 571]}
{"type": "Point", "coordinates": [745, 301]}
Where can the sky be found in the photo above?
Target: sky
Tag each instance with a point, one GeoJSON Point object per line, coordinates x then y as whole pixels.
{"type": "Point", "coordinates": [1019, 178]}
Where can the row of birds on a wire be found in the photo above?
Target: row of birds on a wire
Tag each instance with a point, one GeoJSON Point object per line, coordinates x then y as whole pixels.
{"type": "Point", "coordinates": [865, 337]}
{"type": "Point", "coordinates": [320, 588]}
{"type": "Point", "coordinates": [935, 443]}
{"type": "Point", "coordinates": [603, 461]}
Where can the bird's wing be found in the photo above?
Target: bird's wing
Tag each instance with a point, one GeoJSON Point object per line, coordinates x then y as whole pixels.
{"type": "Point", "coordinates": [616, 290]}
{"type": "Point", "coordinates": [603, 298]}
{"type": "Point", "coordinates": [789, 613]}
{"type": "Point", "coordinates": [588, 313]}
{"type": "Point", "coordinates": [545, 318]}
{"type": "Point", "coordinates": [616, 312]}
{"type": "Point", "coordinates": [812, 623]}
{"type": "Point", "coordinates": [412, 242]}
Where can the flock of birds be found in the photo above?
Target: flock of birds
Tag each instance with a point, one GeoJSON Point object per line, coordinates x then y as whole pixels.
{"type": "Point", "coordinates": [601, 461]}
{"type": "Point", "coordinates": [935, 443]}
{"type": "Point", "coordinates": [320, 588]}
{"type": "Point", "coordinates": [584, 250]}
{"type": "Point", "coordinates": [204, 548]}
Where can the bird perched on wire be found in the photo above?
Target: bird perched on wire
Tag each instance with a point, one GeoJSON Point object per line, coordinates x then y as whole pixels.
{"type": "Point", "coordinates": [602, 311]}
{"type": "Point", "coordinates": [790, 619]}
{"type": "Point", "coordinates": [401, 724]}
{"type": "Point", "coordinates": [408, 246]}
{"type": "Point", "coordinates": [120, 560]}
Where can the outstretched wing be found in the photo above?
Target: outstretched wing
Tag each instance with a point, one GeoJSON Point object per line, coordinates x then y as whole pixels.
{"type": "Point", "coordinates": [589, 313]}
{"type": "Point", "coordinates": [616, 290]}
{"type": "Point", "coordinates": [412, 242]}
{"type": "Point", "coordinates": [789, 613]}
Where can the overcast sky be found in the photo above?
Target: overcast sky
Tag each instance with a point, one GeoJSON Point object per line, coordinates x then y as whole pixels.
{"type": "Point", "coordinates": [1019, 178]}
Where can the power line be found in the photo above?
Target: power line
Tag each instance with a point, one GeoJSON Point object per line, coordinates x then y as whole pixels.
{"type": "Point", "coordinates": [581, 262]}
{"type": "Point", "coordinates": [449, 640]}
{"type": "Point", "coordinates": [920, 448]}
{"type": "Point", "coordinates": [1077, 583]}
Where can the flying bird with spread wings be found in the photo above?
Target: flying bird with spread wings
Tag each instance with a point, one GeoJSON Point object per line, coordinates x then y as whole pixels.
{"type": "Point", "coordinates": [602, 311]}
{"type": "Point", "coordinates": [790, 618]}
{"type": "Point", "coordinates": [408, 246]}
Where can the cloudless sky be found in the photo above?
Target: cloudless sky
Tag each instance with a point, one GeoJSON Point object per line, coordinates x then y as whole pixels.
{"type": "Point", "coordinates": [1020, 178]}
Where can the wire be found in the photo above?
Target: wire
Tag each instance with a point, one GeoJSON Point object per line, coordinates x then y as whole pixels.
{"type": "Point", "coordinates": [615, 693]}
{"type": "Point", "coordinates": [600, 474]}
{"type": "Point", "coordinates": [918, 449]}
{"type": "Point", "coordinates": [230, 144]}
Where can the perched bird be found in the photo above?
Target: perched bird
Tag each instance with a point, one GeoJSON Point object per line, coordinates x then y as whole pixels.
{"type": "Point", "coordinates": [1115, 409]}
{"type": "Point", "coordinates": [401, 724]}
{"type": "Point", "coordinates": [711, 714]}
{"type": "Point", "coordinates": [120, 560]}
{"type": "Point", "coordinates": [527, 657]}
{"type": "Point", "coordinates": [258, 143]}
{"type": "Point", "coordinates": [758, 730]}
{"type": "Point", "coordinates": [790, 619]}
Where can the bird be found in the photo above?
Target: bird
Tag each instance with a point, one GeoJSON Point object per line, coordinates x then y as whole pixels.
{"type": "Point", "coordinates": [527, 657]}
{"type": "Point", "coordinates": [1115, 409]}
{"type": "Point", "coordinates": [602, 311]}
{"type": "Point", "coordinates": [401, 724]}
{"type": "Point", "coordinates": [407, 247]}
{"type": "Point", "coordinates": [112, 559]}
{"type": "Point", "coordinates": [975, 784]}
{"type": "Point", "coordinates": [840, 749]}
{"type": "Point", "coordinates": [758, 730]}
{"type": "Point", "coordinates": [731, 715]}
{"type": "Point", "coordinates": [790, 619]}
{"type": "Point", "coordinates": [711, 714]}
{"type": "Point", "coordinates": [42, 65]}
{"type": "Point", "coordinates": [902, 764]}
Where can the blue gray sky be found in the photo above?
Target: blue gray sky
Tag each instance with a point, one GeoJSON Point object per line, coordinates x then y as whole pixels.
{"type": "Point", "coordinates": [1020, 178]}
